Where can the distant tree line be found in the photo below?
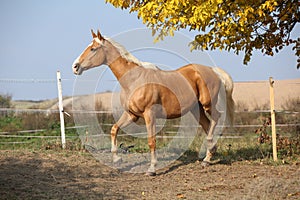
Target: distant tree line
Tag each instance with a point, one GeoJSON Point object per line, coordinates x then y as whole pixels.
{"type": "Point", "coordinates": [5, 101]}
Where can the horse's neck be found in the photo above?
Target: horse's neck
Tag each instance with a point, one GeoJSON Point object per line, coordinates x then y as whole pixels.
{"type": "Point", "coordinates": [117, 63]}
{"type": "Point", "coordinates": [120, 66]}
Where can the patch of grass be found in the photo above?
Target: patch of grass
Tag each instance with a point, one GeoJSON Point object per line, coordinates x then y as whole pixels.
{"type": "Point", "coordinates": [246, 148]}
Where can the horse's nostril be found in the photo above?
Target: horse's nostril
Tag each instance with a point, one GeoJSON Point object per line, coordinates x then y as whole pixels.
{"type": "Point", "coordinates": [77, 69]}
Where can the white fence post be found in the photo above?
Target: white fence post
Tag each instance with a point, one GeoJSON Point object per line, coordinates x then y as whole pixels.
{"type": "Point", "coordinates": [273, 121]}
{"type": "Point", "coordinates": [61, 110]}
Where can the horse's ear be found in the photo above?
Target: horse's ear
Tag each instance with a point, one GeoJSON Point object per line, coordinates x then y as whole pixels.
{"type": "Point", "coordinates": [93, 34]}
{"type": "Point", "coordinates": [99, 35]}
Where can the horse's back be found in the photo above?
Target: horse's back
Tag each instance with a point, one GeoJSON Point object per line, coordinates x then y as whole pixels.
{"type": "Point", "coordinates": [207, 74]}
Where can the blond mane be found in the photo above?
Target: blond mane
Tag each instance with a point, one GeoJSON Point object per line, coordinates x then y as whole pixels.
{"type": "Point", "coordinates": [128, 56]}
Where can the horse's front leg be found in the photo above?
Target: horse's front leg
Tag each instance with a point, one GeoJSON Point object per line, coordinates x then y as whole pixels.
{"type": "Point", "coordinates": [125, 120]}
{"type": "Point", "coordinates": [149, 117]}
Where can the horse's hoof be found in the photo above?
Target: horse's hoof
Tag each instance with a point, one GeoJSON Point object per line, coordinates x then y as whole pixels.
{"type": "Point", "coordinates": [205, 163]}
{"type": "Point", "coordinates": [151, 173]}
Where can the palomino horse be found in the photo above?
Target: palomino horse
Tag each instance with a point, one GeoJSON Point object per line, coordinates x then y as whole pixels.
{"type": "Point", "coordinates": [151, 93]}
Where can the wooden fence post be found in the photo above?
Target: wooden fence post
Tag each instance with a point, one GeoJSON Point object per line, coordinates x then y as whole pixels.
{"type": "Point", "coordinates": [61, 111]}
{"type": "Point", "coordinates": [273, 121]}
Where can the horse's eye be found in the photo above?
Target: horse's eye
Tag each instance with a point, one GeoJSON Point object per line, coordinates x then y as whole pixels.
{"type": "Point", "coordinates": [93, 49]}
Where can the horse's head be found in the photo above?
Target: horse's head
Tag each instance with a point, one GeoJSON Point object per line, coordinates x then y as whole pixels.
{"type": "Point", "coordinates": [92, 56]}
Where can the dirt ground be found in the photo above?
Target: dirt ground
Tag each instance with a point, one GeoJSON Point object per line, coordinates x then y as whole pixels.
{"type": "Point", "coordinates": [78, 175]}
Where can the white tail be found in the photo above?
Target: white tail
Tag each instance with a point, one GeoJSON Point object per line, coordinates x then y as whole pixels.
{"type": "Point", "coordinates": [228, 83]}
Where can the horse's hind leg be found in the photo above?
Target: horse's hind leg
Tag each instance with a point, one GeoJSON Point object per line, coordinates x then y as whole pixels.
{"type": "Point", "coordinates": [204, 121]}
{"type": "Point", "coordinates": [124, 121]}
{"type": "Point", "coordinates": [211, 143]}
{"type": "Point", "coordinates": [199, 114]}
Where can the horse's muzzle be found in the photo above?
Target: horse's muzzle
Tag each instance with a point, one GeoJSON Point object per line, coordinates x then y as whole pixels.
{"type": "Point", "coordinates": [77, 69]}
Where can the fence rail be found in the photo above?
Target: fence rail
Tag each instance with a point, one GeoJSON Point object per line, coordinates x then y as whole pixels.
{"type": "Point", "coordinates": [31, 110]}
{"type": "Point", "coordinates": [32, 133]}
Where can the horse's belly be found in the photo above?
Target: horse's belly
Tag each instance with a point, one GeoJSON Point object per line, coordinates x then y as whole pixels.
{"type": "Point", "coordinates": [178, 107]}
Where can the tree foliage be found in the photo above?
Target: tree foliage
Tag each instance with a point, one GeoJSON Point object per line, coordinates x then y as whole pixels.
{"type": "Point", "coordinates": [239, 26]}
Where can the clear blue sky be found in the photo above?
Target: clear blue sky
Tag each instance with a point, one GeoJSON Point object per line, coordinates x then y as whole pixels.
{"type": "Point", "coordinates": [40, 37]}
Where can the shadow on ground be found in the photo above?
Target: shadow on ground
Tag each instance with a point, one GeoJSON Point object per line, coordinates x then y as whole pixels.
{"type": "Point", "coordinates": [43, 176]}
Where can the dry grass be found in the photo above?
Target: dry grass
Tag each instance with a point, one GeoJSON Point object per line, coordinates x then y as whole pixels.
{"type": "Point", "coordinates": [256, 94]}
{"type": "Point", "coordinates": [251, 95]}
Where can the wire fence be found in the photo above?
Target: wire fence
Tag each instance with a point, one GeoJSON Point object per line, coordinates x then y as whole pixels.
{"type": "Point", "coordinates": [38, 129]}
{"type": "Point", "coordinates": [235, 131]}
